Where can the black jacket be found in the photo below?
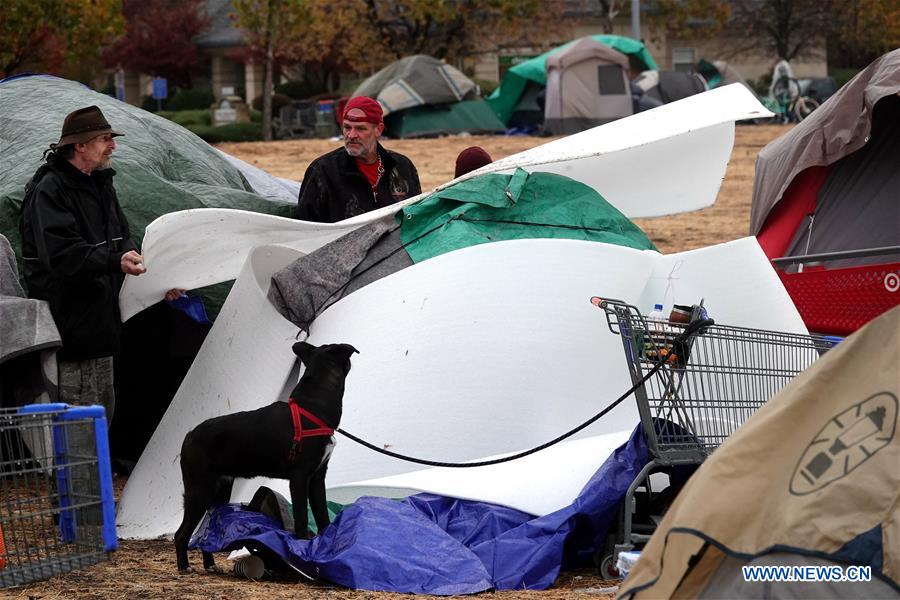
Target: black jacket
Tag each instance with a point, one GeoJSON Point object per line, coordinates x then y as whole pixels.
{"type": "Point", "coordinates": [333, 189]}
{"type": "Point", "coordinates": [73, 237]}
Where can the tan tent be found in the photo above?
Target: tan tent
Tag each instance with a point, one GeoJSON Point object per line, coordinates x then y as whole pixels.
{"type": "Point", "coordinates": [812, 479]}
{"type": "Point", "coordinates": [587, 85]}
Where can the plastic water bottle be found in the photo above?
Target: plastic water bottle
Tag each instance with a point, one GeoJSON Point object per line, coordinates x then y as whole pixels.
{"type": "Point", "coordinates": [657, 328]}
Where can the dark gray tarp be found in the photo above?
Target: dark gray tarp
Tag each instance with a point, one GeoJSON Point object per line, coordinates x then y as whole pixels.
{"type": "Point", "coordinates": [28, 340]}
{"type": "Point", "coordinates": [674, 85]}
{"type": "Point", "coordinates": [840, 127]}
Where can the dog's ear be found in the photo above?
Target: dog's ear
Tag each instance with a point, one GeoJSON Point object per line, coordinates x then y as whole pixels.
{"type": "Point", "coordinates": [343, 351]}
{"type": "Point", "coordinates": [304, 351]}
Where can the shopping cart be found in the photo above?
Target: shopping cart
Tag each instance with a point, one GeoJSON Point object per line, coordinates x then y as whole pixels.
{"type": "Point", "coordinates": [708, 380]}
{"type": "Point", "coordinates": [56, 503]}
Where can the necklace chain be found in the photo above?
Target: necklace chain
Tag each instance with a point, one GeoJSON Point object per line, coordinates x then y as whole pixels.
{"type": "Point", "coordinates": [380, 172]}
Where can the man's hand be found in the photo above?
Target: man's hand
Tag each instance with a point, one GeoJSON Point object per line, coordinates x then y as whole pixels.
{"type": "Point", "coordinates": [132, 263]}
{"type": "Point", "coordinates": [174, 294]}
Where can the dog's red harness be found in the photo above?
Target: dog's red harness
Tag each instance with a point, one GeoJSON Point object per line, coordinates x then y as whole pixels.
{"type": "Point", "coordinates": [296, 412]}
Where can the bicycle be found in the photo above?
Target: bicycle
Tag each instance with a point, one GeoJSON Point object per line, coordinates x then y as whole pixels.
{"type": "Point", "coordinates": [788, 104]}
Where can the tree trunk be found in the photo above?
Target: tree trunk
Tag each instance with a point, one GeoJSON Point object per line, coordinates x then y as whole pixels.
{"type": "Point", "coordinates": [267, 79]}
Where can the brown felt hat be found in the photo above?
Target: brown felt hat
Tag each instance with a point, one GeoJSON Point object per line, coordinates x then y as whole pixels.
{"type": "Point", "coordinates": [83, 125]}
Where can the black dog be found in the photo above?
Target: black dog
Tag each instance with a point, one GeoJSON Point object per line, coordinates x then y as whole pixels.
{"type": "Point", "coordinates": [267, 442]}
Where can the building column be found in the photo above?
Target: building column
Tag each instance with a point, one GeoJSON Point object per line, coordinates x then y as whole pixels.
{"type": "Point", "coordinates": [216, 80]}
{"type": "Point", "coordinates": [133, 88]}
{"type": "Point", "coordinates": [254, 79]}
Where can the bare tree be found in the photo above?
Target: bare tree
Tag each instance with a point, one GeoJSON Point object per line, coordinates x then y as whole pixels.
{"type": "Point", "coordinates": [790, 28]}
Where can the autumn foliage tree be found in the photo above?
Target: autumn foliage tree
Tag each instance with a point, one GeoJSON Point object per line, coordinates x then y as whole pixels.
{"type": "Point", "coordinates": [158, 39]}
{"type": "Point", "coordinates": [687, 19]}
{"type": "Point", "coordinates": [865, 30]}
{"type": "Point", "coordinates": [336, 38]}
{"type": "Point", "coordinates": [61, 37]}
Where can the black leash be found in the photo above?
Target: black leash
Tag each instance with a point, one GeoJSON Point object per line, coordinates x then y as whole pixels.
{"type": "Point", "coordinates": [497, 461]}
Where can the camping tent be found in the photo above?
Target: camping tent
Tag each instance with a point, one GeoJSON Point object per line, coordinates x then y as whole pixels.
{"type": "Point", "coordinates": [587, 85]}
{"type": "Point", "coordinates": [507, 97]}
{"type": "Point", "coordinates": [662, 87]}
{"type": "Point", "coordinates": [812, 479]}
{"type": "Point", "coordinates": [831, 185]}
{"type": "Point", "coordinates": [422, 96]}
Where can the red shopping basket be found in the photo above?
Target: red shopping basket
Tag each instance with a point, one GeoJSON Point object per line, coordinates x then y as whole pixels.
{"type": "Point", "coordinates": [840, 301]}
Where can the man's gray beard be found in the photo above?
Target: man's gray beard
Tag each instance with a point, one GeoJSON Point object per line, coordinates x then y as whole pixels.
{"type": "Point", "coordinates": [358, 153]}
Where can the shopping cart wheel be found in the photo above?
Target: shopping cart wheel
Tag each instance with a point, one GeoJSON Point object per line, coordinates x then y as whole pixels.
{"type": "Point", "coordinates": [607, 568]}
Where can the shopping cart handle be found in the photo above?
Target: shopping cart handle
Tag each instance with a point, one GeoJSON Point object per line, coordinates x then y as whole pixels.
{"type": "Point", "coordinates": [696, 326]}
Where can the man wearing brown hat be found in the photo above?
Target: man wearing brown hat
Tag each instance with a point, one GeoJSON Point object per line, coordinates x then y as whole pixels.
{"type": "Point", "coordinates": [77, 250]}
{"type": "Point", "coordinates": [359, 177]}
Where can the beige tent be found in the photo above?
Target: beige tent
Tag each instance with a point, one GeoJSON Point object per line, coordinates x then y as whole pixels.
{"type": "Point", "coordinates": [587, 85]}
{"type": "Point", "coordinates": [812, 479]}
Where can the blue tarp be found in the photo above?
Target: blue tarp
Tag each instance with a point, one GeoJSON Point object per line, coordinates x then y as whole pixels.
{"type": "Point", "coordinates": [428, 544]}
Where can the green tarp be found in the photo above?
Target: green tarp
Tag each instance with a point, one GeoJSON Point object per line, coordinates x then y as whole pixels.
{"type": "Point", "coordinates": [471, 116]}
{"type": "Point", "coordinates": [160, 166]}
{"type": "Point", "coordinates": [506, 96]}
{"type": "Point", "coordinates": [493, 208]}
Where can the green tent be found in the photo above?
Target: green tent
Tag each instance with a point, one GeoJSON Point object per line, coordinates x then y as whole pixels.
{"type": "Point", "coordinates": [470, 116]}
{"type": "Point", "coordinates": [506, 97]}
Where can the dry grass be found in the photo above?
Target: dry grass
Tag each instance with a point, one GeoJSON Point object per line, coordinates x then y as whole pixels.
{"type": "Point", "coordinates": [146, 569]}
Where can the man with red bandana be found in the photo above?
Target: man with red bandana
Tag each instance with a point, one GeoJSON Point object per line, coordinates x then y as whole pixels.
{"type": "Point", "coordinates": [361, 176]}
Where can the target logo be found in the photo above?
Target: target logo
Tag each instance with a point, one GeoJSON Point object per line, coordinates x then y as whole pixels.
{"type": "Point", "coordinates": [892, 282]}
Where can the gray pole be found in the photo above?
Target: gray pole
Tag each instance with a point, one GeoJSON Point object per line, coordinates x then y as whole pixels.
{"type": "Point", "coordinates": [636, 19]}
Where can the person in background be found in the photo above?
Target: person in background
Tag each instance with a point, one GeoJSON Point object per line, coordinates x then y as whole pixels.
{"type": "Point", "coordinates": [473, 157]}
{"type": "Point", "coordinates": [781, 76]}
{"type": "Point", "coordinates": [360, 177]}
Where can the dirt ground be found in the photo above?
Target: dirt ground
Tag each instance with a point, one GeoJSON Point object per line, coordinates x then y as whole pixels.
{"type": "Point", "coordinates": [146, 569]}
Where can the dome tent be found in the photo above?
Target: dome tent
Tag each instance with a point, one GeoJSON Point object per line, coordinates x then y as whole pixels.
{"type": "Point", "coordinates": [422, 96]}
{"type": "Point", "coordinates": [531, 74]}
{"type": "Point", "coordinates": [830, 187]}
{"type": "Point", "coordinates": [587, 85]}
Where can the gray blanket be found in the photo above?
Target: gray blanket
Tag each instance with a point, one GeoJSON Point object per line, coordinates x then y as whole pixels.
{"type": "Point", "coordinates": [309, 285]}
{"type": "Point", "coordinates": [28, 340]}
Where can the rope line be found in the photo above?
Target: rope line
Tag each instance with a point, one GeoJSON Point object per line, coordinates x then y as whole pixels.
{"type": "Point", "coordinates": [497, 461]}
